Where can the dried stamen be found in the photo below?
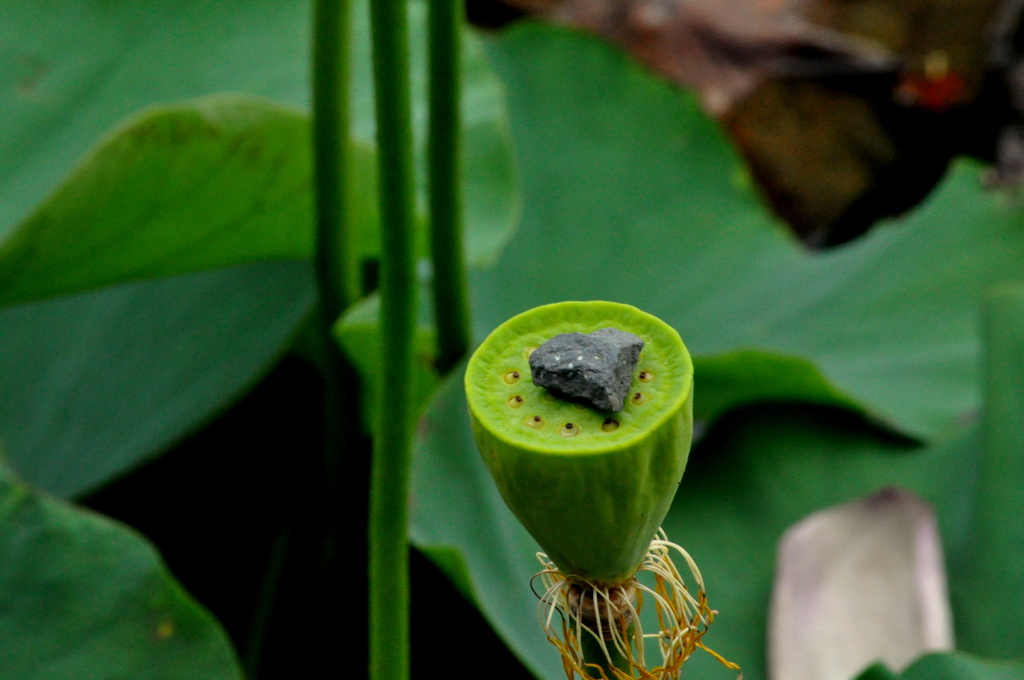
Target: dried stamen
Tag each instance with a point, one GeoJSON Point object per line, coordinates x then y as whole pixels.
{"type": "Point", "coordinates": [610, 614]}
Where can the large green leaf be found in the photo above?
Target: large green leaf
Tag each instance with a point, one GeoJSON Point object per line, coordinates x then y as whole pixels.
{"type": "Point", "coordinates": [73, 70]}
{"type": "Point", "coordinates": [741, 377]}
{"type": "Point", "coordinates": [950, 667]}
{"type": "Point", "coordinates": [878, 671]}
{"type": "Point", "coordinates": [92, 384]}
{"type": "Point", "coordinates": [181, 188]}
{"type": "Point", "coordinates": [83, 598]}
{"type": "Point", "coordinates": [962, 667]}
{"type": "Point", "coordinates": [187, 187]}
{"type": "Point", "coordinates": [954, 666]}
{"type": "Point", "coordinates": [630, 194]}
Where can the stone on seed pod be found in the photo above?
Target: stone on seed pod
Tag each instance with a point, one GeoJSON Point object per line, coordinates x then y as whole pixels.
{"type": "Point", "coordinates": [595, 368]}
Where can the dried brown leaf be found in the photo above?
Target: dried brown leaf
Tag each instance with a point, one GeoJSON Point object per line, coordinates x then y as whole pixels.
{"type": "Point", "coordinates": [848, 111]}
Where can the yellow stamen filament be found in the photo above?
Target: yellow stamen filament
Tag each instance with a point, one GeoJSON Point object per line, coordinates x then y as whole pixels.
{"type": "Point", "coordinates": [613, 617]}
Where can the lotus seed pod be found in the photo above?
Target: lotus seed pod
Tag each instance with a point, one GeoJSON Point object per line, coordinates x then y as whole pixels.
{"type": "Point", "coordinates": [591, 487]}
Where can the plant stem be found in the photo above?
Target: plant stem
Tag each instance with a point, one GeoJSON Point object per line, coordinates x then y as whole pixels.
{"type": "Point", "coordinates": [451, 304]}
{"type": "Point", "coordinates": [998, 534]}
{"type": "Point", "coordinates": [335, 258]}
{"type": "Point", "coordinates": [256, 639]}
{"type": "Point", "coordinates": [337, 279]}
{"type": "Point", "coordinates": [592, 653]}
{"type": "Point", "coordinates": [389, 566]}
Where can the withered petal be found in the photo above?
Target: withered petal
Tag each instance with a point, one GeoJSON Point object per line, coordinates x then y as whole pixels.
{"type": "Point", "coordinates": [855, 584]}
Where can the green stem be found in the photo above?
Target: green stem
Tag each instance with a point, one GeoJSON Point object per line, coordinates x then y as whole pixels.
{"type": "Point", "coordinates": [998, 535]}
{"type": "Point", "coordinates": [389, 567]}
{"type": "Point", "coordinates": [337, 279]}
{"type": "Point", "coordinates": [269, 592]}
{"type": "Point", "coordinates": [335, 258]}
{"type": "Point", "coordinates": [451, 304]}
{"type": "Point", "coordinates": [592, 653]}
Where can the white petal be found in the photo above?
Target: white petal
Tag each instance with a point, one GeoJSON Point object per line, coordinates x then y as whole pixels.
{"type": "Point", "coordinates": [855, 584]}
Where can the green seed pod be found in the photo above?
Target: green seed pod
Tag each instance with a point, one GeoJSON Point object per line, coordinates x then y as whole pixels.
{"type": "Point", "coordinates": [591, 487]}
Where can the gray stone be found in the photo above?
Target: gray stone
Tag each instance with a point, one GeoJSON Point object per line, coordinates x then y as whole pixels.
{"type": "Point", "coordinates": [594, 368]}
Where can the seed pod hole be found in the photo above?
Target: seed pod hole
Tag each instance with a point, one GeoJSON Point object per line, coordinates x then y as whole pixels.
{"type": "Point", "coordinates": [536, 422]}
{"type": "Point", "coordinates": [638, 398]}
{"type": "Point", "coordinates": [610, 425]}
{"type": "Point", "coordinates": [528, 351]}
{"type": "Point", "coordinates": [578, 406]}
{"type": "Point", "coordinates": [515, 401]}
{"type": "Point", "coordinates": [511, 377]}
{"type": "Point", "coordinates": [569, 430]}
{"type": "Point", "coordinates": [548, 397]}
{"type": "Point", "coordinates": [646, 376]}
